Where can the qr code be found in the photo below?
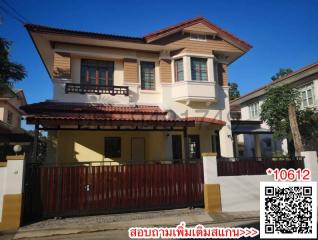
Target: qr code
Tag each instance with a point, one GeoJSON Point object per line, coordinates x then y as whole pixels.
{"type": "Point", "coordinates": [288, 210]}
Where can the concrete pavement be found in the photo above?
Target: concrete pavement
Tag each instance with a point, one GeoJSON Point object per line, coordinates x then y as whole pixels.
{"type": "Point", "coordinates": [115, 226]}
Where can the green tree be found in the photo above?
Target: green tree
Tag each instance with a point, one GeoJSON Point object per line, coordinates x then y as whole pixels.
{"type": "Point", "coordinates": [281, 73]}
{"type": "Point", "coordinates": [308, 127]}
{"type": "Point", "coordinates": [10, 72]}
{"type": "Point", "coordinates": [275, 111]}
{"type": "Point", "coordinates": [234, 91]}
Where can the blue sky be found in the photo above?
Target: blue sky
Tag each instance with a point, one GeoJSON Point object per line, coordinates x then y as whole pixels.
{"type": "Point", "coordinates": [283, 32]}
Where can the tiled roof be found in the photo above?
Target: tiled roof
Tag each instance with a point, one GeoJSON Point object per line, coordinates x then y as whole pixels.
{"type": "Point", "coordinates": [50, 106]}
{"type": "Point", "coordinates": [46, 29]}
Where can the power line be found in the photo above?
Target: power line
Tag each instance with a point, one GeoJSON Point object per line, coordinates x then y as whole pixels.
{"type": "Point", "coordinates": [12, 12]}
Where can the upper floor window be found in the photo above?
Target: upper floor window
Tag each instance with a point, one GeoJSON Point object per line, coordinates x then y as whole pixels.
{"type": "Point", "coordinates": [197, 37]}
{"type": "Point", "coordinates": [199, 69]}
{"type": "Point", "coordinates": [178, 66]}
{"type": "Point", "coordinates": [97, 72]}
{"type": "Point", "coordinates": [307, 96]}
{"type": "Point", "coordinates": [254, 110]}
{"type": "Point", "coordinates": [147, 72]}
{"type": "Point", "coordinates": [10, 118]}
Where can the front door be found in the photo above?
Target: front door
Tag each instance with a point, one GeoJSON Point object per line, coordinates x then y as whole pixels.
{"type": "Point", "coordinates": [138, 149]}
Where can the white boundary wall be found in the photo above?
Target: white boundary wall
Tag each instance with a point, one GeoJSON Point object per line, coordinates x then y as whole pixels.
{"type": "Point", "coordinates": [242, 193]}
{"type": "Point", "coordinates": [11, 177]}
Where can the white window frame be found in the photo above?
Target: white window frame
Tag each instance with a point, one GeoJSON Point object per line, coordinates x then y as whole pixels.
{"type": "Point", "coordinates": [305, 90]}
{"type": "Point", "coordinates": [207, 69]}
{"type": "Point", "coordinates": [254, 110]}
{"type": "Point", "coordinates": [139, 60]}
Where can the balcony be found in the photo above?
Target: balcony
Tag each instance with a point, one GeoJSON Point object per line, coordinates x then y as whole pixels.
{"type": "Point", "coordinates": [194, 91]}
{"type": "Point", "coordinates": [96, 89]}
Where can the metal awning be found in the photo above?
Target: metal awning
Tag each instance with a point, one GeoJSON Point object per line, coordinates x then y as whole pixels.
{"type": "Point", "coordinates": [248, 127]}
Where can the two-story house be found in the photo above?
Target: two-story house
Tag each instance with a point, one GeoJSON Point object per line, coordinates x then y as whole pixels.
{"type": "Point", "coordinates": [162, 96]}
{"type": "Point", "coordinates": [252, 137]}
{"type": "Point", "coordinates": [11, 132]}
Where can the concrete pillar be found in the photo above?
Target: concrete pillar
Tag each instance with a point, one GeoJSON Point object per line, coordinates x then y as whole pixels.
{"type": "Point", "coordinates": [212, 192]}
{"type": "Point", "coordinates": [226, 143]}
{"type": "Point", "coordinates": [11, 175]}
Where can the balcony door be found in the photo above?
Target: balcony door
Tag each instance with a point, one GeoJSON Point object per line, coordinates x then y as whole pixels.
{"type": "Point", "coordinates": [96, 72]}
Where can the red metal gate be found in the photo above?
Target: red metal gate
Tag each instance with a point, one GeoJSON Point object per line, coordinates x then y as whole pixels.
{"type": "Point", "coordinates": [81, 190]}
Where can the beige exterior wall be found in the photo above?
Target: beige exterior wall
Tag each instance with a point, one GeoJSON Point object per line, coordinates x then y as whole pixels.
{"type": "Point", "coordinates": [182, 41]}
{"type": "Point", "coordinates": [165, 71]}
{"type": "Point", "coordinates": [222, 74]}
{"type": "Point", "coordinates": [88, 146]}
{"type": "Point", "coordinates": [200, 27]}
{"type": "Point", "coordinates": [130, 70]}
{"type": "Point", "coordinates": [62, 65]}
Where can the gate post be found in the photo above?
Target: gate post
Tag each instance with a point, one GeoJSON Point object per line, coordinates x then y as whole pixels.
{"type": "Point", "coordinates": [212, 193]}
{"type": "Point", "coordinates": [11, 177]}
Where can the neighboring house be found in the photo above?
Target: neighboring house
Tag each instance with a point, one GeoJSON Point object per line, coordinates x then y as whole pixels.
{"type": "Point", "coordinates": [252, 137]}
{"type": "Point", "coordinates": [163, 96]}
{"type": "Point", "coordinates": [11, 132]}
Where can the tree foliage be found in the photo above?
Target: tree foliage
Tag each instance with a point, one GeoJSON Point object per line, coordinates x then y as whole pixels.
{"type": "Point", "coordinates": [281, 73]}
{"type": "Point", "coordinates": [308, 127]}
{"type": "Point", "coordinates": [234, 91]}
{"type": "Point", "coordinates": [9, 71]}
{"type": "Point", "coordinates": [274, 110]}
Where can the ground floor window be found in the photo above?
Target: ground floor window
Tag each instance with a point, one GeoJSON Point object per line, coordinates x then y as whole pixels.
{"type": "Point", "coordinates": [194, 147]}
{"type": "Point", "coordinates": [176, 147]}
{"type": "Point", "coordinates": [112, 147]}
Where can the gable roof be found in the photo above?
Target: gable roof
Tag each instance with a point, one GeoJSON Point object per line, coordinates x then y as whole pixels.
{"type": "Point", "coordinates": [163, 32]}
{"type": "Point", "coordinates": [295, 75]}
{"type": "Point", "coordinates": [146, 38]}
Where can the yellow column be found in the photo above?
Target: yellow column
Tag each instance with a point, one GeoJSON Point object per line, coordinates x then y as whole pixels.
{"type": "Point", "coordinates": [212, 191]}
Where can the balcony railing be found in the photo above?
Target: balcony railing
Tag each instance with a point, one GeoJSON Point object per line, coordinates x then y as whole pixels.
{"type": "Point", "coordinates": [96, 89]}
